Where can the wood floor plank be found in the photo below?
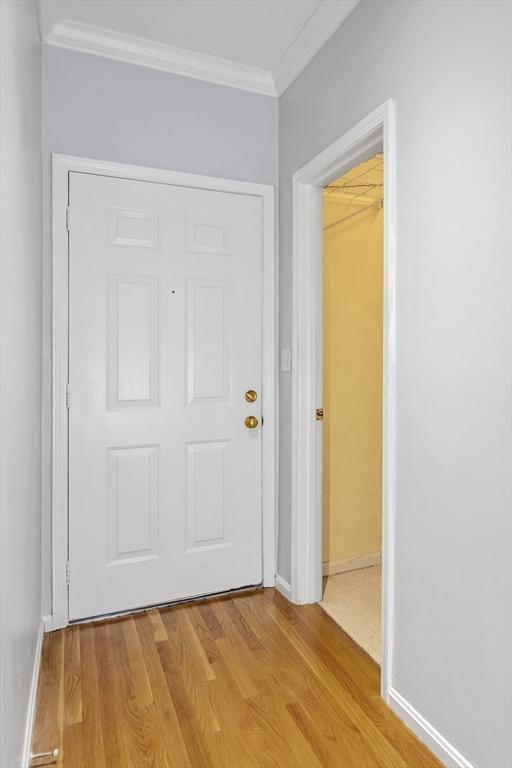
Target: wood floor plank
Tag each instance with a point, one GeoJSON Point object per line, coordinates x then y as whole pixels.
{"type": "Point", "coordinates": [157, 749]}
{"type": "Point", "coordinates": [210, 620]}
{"type": "Point", "coordinates": [250, 652]}
{"type": "Point", "coordinates": [137, 663]}
{"type": "Point", "coordinates": [72, 678]}
{"type": "Point", "coordinates": [232, 744]}
{"type": "Point", "coordinates": [73, 746]}
{"type": "Point", "coordinates": [174, 746]}
{"type": "Point", "coordinates": [239, 681]}
{"type": "Point", "coordinates": [198, 657]}
{"type": "Point", "coordinates": [155, 619]}
{"type": "Point", "coordinates": [243, 626]}
{"type": "Point", "coordinates": [193, 725]}
{"type": "Point", "coordinates": [185, 664]}
{"type": "Point", "coordinates": [111, 704]}
{"type": "Point", "coordinates": [236, 667]}
{"type": "Point", "coordinates": [326, 743]}
{"type": "Point", "coordinates": [92, 729]}
{"type": "Point", "coordinates": [206, 633]}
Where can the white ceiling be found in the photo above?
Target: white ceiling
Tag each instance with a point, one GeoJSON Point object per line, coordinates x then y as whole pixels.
{"type": "Point", "coordinates": [262, 34]}
{"type": "Point", "coordinates": [246, 31]}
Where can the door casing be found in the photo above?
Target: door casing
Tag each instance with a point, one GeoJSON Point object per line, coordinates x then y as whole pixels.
{"type": "Point", "coordinates": [62, 165]}
{"type": "Point", "coordinates": [376, 131]}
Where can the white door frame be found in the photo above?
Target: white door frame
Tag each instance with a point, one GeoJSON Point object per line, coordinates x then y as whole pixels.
{"type": "Point", "coordinates": [62, 165]}
{"type": "Point", "coordinates": [306, 524]}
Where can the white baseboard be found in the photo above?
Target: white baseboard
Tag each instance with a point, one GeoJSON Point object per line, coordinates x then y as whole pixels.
{"type": "Point", "coordinates": [283, 587]}
{"type": "Point", "coordinates": [32, 699]}
{"type": "Point", "coordinates": [426, 732]}
{"type": "Point", "coordinates": [351, 563]}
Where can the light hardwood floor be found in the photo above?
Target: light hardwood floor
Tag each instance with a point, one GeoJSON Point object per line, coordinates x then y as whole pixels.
{"type": "Point", "coordinates": [245, 680]}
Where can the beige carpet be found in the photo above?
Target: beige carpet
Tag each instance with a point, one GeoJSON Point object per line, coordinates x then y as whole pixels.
{"type": "Point", "coordinates": [352, 599]}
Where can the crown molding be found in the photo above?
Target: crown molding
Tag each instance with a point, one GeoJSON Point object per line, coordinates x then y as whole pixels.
{"type": "Point", "coordinates": [324, 22]}
{"type": "Point", "coordinates": [133, 49]}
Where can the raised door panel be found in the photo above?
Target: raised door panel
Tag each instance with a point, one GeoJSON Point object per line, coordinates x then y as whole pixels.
{"type": "Point", "coordinates": [208, 472]}
{"type": "Point", "coordinates": [133, 362]}
{"type": "Point", "coordinates": [208, 335]}
{"type": "Point", "coordinates": [133, 228]}
{"type": "Point", "coordinates": [208, 236]}
{"type": "Point", "coordinates": [132, 506]}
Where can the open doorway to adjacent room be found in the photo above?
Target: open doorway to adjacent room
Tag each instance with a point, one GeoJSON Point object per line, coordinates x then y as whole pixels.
{"type": "Point", "coordinates": [338, 488]}
{"type": "Point", "coordinates": [353, 237]}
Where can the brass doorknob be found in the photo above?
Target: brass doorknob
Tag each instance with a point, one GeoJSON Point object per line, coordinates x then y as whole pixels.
{"type": "Point", "coordinates": [251, 396]}
{"type": "Point", "coordinates": [251, 422]}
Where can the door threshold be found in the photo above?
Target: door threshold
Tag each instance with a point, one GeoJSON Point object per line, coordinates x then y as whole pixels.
{"type": "Point", "coordinates": [182, 601]}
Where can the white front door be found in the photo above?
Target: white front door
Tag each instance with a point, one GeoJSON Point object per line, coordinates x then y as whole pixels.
{"type": "Point", "coordinates": [164, 343]}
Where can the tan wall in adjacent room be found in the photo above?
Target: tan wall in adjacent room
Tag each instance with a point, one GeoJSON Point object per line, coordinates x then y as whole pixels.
{"type": "Point", "coordinates": [352, 383]}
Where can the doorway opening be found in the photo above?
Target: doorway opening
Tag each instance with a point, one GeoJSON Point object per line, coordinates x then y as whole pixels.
{"type": "Point", "coordinates": [373, 135]}
{"type": "Point", "coordinates": [352, 318]}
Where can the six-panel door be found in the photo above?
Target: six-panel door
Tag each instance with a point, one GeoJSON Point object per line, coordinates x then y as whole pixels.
{"type": "Point", "coordinates": [164, 341]}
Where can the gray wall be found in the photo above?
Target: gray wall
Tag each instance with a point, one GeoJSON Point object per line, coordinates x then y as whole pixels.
{"type": "Point", "coordinates": [20, 367]}
{"type": "Point", "coordinates": [447, 66]}
{"type": "Point", "coordinates": [99, 108]}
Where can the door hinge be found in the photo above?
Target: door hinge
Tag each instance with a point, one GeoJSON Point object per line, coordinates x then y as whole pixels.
{"type": "Point", "coordinates": [319, 414]}
{"type": "Point", "coordinates": [68, 396]}
{"type": "Point", "coordinates": [68, 218]}
{"type": "Point", "coordinates": [68, 573]}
